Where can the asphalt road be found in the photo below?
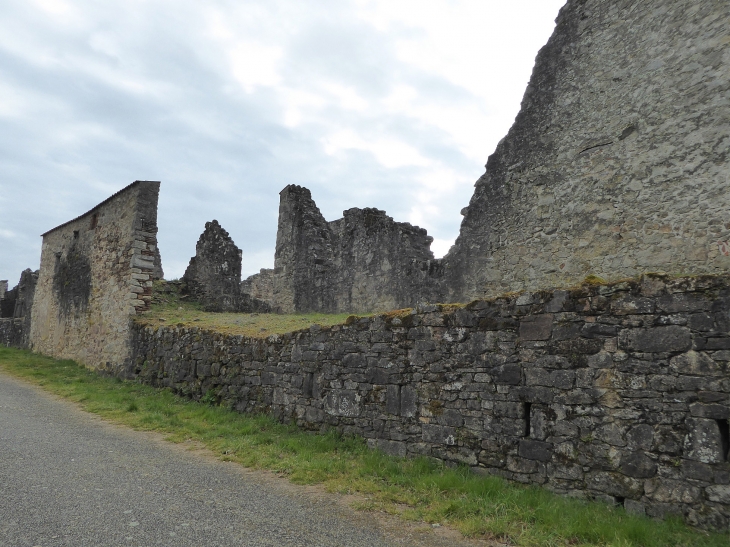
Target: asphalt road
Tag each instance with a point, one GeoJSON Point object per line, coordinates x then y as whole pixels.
{"type": "Point", "coordinates": [67, 478]}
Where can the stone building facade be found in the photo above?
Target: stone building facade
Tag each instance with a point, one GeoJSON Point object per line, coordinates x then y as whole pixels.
{"type": "Point", "coordinates": [364, 261]}
{"type": "Point", "coordinates": [213, 276]}
{"type": "Point", "coordinates": [96, 273]}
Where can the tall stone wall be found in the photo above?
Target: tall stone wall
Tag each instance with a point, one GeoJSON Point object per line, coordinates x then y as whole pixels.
{"type": "Point", "coordinates": [96, 273]}
{"type": "Point", "coordinates": [364, 261]}
{"type": "Point", "coordinates": [617, 392]}
{"type": "Point", "coordinates": [617, 163]}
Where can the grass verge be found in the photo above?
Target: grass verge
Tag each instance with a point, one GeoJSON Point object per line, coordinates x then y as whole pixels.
{"type": "Point", "coordinates": [415, 489]}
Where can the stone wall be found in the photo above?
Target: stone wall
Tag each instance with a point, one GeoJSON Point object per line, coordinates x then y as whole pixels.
{"type": "Point", "coordinates": [16, 306]}
{"type": "Point", "coordinates": [616, 392]}
{"type": "Point", "coordinates": [364, 261]}
{"type": "Point", "coordinates": [7, 299]}
{"type": "Point", "coordinates": [617, 162]}
{"type": "Point", "coordinates": [96, 273]}
{"type": "Point", "coordinates": [213, 276]}
{"type": "Point", "coordinates": [260, 286]}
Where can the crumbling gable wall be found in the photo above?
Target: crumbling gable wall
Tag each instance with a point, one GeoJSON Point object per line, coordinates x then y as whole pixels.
{"type": "Point", "coordinates": [213, 276]}
{"type": "Point", "coordinates": [364, 261]}
{"type": "Point", "coordinates": [96, 273]}
{"type": "Point", "coordinates": [617, 163]}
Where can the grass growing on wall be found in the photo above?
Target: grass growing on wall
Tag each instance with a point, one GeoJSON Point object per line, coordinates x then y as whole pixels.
{"type": "Point", "coordinates": [171, 308]}
{"type": "Point", "coordinates": [416, 489]}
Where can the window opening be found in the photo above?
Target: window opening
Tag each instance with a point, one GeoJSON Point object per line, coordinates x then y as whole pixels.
{"type": "Point", "coordinates": [528, 407]}
{"type": "Point", "coordinates": [724, 438]}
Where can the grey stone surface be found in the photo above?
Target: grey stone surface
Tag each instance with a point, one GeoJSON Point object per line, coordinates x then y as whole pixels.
{"type": "Point", "coordinates": [70, 480]}
{"type": "Point", "coordinates": [578, 409]}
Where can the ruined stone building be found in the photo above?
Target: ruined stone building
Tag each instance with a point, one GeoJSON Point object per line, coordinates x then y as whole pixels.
{"type": "Point", "coordinates": [213, 276]}
{"type": "Point", "coordinates": [15, 306]}
{"type": "Point", "coordinates": [617, 164]}
{"type": "Point", "coordinates": [364, 261]}
{"type": "Point", "coordinates": [96, 273]}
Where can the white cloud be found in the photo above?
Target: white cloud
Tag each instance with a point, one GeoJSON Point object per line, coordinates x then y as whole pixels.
{"type": "Point", "coordinates": [255, 64]}
{"type": "Point", "coordinates": [390, 153]}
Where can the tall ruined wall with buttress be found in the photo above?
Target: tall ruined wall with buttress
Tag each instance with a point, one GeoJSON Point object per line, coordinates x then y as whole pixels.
{"type": "Point", "coordinates": [364, 261]}
{"type": "Point", "coordinates": [617, 163]}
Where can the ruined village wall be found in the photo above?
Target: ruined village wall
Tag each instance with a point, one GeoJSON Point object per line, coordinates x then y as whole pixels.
{"type": "Point", "coordinates": [620, 393]}
{"type": "Point", "coordinates": [16, 306]}
{"type": "Point", "coordinates": [260, 286]}
{"type": "Point", "coordinates": [364, 261]}
{"type": "Point", "coordinates": [96, 272]}
{"type": "Point", "coordinates": [617, 163]}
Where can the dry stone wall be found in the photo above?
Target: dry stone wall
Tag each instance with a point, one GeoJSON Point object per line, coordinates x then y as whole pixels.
{"type": "Point", "coordinates": [617, 163]}
{"type": "Point", "coordinates": [616, 392]}
{"type": "Point", "coordinates": [364, 261]}
{"type": "Point", "coordinates": [96, 273]}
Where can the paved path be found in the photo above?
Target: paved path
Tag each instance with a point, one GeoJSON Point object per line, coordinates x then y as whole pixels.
{"type": "Point", "coordinates": [68, 478]}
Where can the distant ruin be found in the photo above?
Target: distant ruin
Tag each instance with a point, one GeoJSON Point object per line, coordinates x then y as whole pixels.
{"type": "Point", "coordinates": [213, 276]}
{"type": "Point", "coordinates": [362, 262]}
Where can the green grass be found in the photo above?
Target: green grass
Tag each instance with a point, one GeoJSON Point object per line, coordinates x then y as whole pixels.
{"type": "Point", "coordinates": [415, 489]}
{"type": "Point", "coordinates": [171, 308]}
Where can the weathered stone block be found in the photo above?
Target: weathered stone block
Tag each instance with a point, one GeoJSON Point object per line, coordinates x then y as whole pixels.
{"type": "Point", "coordinates": [536, 327]}
{"type": "Point", "coordinates": [703, 442]}
{"type": "Point", "coordinates": [439, 434]}
{"type": "Point", "coordinates": [638, 465]}
{"type": "Point", "coordinates": [343, 403]}
{"type": "Point", "coordinates": [509, 374]}
{"type": "Point", "coordinates": [535, 450]}
{"type": "Point", "coordinates": [658, 339]}
{"type": "Point", "coordinates": [696, 363]}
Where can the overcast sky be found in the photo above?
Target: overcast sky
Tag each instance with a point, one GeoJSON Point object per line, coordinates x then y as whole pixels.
{"type": "Point", "coordinates": [394, 104]}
